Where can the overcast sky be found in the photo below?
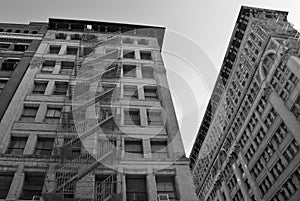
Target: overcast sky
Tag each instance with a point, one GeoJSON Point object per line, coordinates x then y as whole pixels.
{"type": "Point", "coordinates": [196, 40]}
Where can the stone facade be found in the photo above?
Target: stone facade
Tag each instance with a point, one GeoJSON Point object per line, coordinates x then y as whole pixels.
{"type": "Point", "coordinates": [248, 144]}
{"type": "Point", "coordinates": [68, 94]}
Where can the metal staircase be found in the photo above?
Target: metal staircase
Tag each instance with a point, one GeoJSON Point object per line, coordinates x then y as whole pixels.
{"type": "Point", "coordinates": [90, 68]}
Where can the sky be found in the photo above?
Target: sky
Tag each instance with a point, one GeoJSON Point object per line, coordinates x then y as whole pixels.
{"type": "Point", "coordinates": [197, 36]}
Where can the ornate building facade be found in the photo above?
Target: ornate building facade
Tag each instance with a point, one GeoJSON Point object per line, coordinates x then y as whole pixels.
{"type": "Point", "coordinates": [93, 119]}
{"type": "Point", "coordinates": [248, 144]}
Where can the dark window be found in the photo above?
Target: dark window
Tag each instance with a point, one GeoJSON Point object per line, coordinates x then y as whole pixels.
{"type": "Point", "coordinates": [143, 42]}
{"type": "Point", "coordinates": [130, 92]}
{"type": "Point", "coordinates": [54, 49]}
{"type": "Point", "coordinates": [53, 114]}
{"type": "Point", "coordinates": [145, 55]}
{"type": "Point", "coordinates": [33, 185]}
{"type": "Point", "coordinates": [29, 113]}
{"type": "Point", "coordinates": [67, 67]}
{"type": "Point", "coordinates": [20, 47]}
{"type": "Point", "coordinates": [150, 93]}
{"type": "Point", "coordinates": [72, 50]}
{"type": "Point", "coordinates": [60, 36]}
{"type": "Point", "coordinates": [4, 46]}
{"type": "Point", "coordinates": [147, 72]}
{"type": "Point", "coordinates": [128, 54]}
{"type": "Point", "coordinates": [17, 31]}
{"type": "Point", "coordinates": [44, 146]}
{"type": "Point", "coordinates": [2, 84]}
{"type": "Point", "coordinates": [9, 30]}
{"type": "Point", "coordinates": [134, 148]}
{"type": "Point", "coordinates": [136, 188]}
{"type": "Point", "coordinates": [154, 117]}
{"type": "Point", "coordinates": [61, 88]}
{"type": "Point", "coordinates": [39, 87]}
{"type": "Point", "coordinates": [159, 149]}
{"type": "Point", "coordinates": [127, 40]}
{"type": "Point", "coordinates": [6, 179]}
{"type": "Point", "coordinates": [25, 31]}
{"type": "Point", "coordinates": [132, 117]}
{"type": "Point", "coordinates": [17, 145]}
{"type": "Point", "coordinates": [129, 70]}
{"type": "Point", "coordinates": [71, 150]}
{"type": "Point", "coordinates": [9, 64]}
{"type": "Point", "coordinates": [34, 32]}
{"type": "Point", "coordinates": [166, 185]}
{"type": "Point", "coordinates": [75, 37]}
{"type": "Point", "coordinates": [48, 66]}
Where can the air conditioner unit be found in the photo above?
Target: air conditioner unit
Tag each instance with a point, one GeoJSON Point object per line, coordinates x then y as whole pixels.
{"type": "Point", "coordinates": [163, 197]}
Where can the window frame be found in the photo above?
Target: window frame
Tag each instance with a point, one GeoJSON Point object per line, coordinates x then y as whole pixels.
{"type": "Point", "coordinates": [32, 188]}
{"type": "Point", "coordinates": [60, 88]}
{"type": "Point", "coordinates": [17, 145]}
{"type": "Point", "coordinates": [39, 87]}
{"type": "Point", "coordinates": [27, 115]}
{"type": "Point", "coordinates": [6, 181]}
{"type": "Point", "coordinates": [44, 146]}
{"type": "Point", "coordinates": [54, 49]}
{"type": "Point", "coordinates": [128, 114]}
{"type": "Point", "coordinates": [55, 117]}
{"type": "Point", "coordinates": [146, 55]}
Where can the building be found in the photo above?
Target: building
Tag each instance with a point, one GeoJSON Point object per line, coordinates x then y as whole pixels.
{"type": "Point", "coordinates": [247, 147]}
{"type": "Point", "coordinates": [93, 119]}
{"type": "Point", "coordinates": [18, 43]}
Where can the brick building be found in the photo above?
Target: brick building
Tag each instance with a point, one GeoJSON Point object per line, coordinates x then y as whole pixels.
{"type": "Point", "coordinates": [92, 119]}
{"type": "Point", "coordinates": [18, 43]}
{"type": "Point", "coordinates": [248, 144]}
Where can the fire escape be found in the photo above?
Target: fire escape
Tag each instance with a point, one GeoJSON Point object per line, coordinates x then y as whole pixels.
{"type": "Point", "coordinates": [88, 112]}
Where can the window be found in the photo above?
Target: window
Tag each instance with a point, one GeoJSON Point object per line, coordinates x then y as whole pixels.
{"type": "Point", "coordinates": [9, 64]}
{"type": "Point", "coordinates": [61, 88]}
{"type": "Point", "coordinates": [159, 149]}
{"type": "Point", "coordinates": [60, 36]}
{"type": "Point", "coordinates": [130, 92]}
{"type": "Point", "coordinates": [17, 145]}
{"type": "Point", "coordinates": [136, 188]}
{"type": "Point", "coordinates": [166, 185]}
{"type": "Point", "coordinates": [127, 40]}
{"type": "Point", "coordinates": [132, 117]}
{"type": "Point", "coordinates": [29, 113]}
{"type": "Point", "coordinates": [129, 70]}
{"type": "Point", "coordinates": [48, 66]}
{"type": "Point", "coordinates": [147, 72]}
{"type": "Point", "coordinates": [154, 117]}
{"type": "Point", "coordinates": [67, 67]}
{"type": "Point", "coordinates": [2, 84]}
{"type": "Point", "coordinates": [33, 185]}
{"type": "Point", "coordinates": [75, 37]}
{"type": "Point", "coordinates": [150, 93]}
{"type": "Point", "coordinates": [146, 55]}
{"type": "Point", "coordinates": [143, 42]}
{"type": "Point", "coordinates": [53, 114]}
{"type": "Point", "coordinates": [44, 146]}
{"type": "Point", "coordinates": [20, 47]}
{"type": "Point", "coordinates": [54, 49]}
{"type": "Point", "coordinates": [39, 87]}
{"type": "Point", "coordinates": [6, 179]}
{"type": "Point", "coordinates": [128, 54]}
{"type": "Point", "coordinates": [4, 46]}
{"type": "Point", "coordinates": [72, 50]}
{"type": "Point", "coordinates": [134, 148]}
{"type": "Point", "coordinates": [71, 150]}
